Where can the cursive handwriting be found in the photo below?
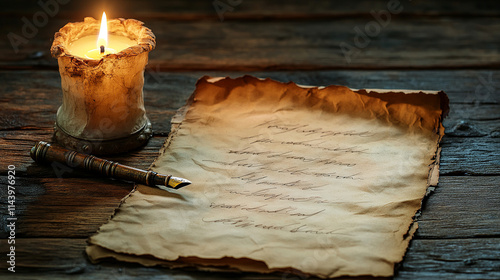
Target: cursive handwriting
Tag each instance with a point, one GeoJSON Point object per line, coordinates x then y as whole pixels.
{"type": "Point", "coordinates": [268, 194]}
{"type": "Point", "coordinates": [309, 143]}
{"type": "Point", "coordinates": [289, 155]}
{"type": "Point", "coordinates": [303, 171]}
{"type": "Point", "coordinates": [307, 131]}
{"type": "Point", "coordinates": [279, 183]}
{"type": "Point", "coordinates": [246, 222]}
{"type": "Point", "coordinates": [258, 179]}
{"type": "Point", "coordinates": [264, 208]}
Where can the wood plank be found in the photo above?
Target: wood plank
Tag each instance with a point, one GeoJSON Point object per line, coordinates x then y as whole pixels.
{"type": "Point", "coordinates": [63, 207]}
{"type": "Point", "coordinates": [256, 9]}
{"type": "Point", "coordinates": [404, 43]}
{"type": "Point", "coordinates": [16, 145]}
{"type": "Point", "coordinates": [462, 207]}
{"type": "Point", "coordinates": [474, 258]}
{"type": "Point", "coordinates": [452, 259]}
{"type": "Point", "coordinates": [53, 254]}
{"type": "Point", "coordinates": [474, 95]}
{"type": "Point", "coordinates": [470, 156]}
{"type": "Point", "coordinates": [65, 259]}
{"type": "Point", "coordinates": [476, 87]}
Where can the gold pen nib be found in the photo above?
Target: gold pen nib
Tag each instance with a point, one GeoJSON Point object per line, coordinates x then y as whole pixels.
{"type": "Point", "coordinates": [177, 183]}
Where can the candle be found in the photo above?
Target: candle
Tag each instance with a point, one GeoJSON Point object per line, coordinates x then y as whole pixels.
{"type": "Point", "coordinates": [90, 47]}
{"type": "Point", "coordinates": [102, 80]}
{"type": "Point", "coordinates": [85, 47]}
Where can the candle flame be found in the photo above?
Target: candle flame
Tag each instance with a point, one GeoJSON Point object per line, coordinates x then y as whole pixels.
{"type": "Point", "coordinates": [102, 40]}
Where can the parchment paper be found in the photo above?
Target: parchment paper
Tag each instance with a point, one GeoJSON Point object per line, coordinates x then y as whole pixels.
{"type": "Point", "coordinates": [318, 181]}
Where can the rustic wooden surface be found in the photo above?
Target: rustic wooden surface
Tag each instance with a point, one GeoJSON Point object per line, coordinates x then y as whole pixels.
{"type": "Point", "coordinates": [441, 46]}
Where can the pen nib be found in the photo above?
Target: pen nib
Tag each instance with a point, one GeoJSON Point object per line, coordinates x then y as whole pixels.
{"type": "Point", "coordinates": [177, 183]}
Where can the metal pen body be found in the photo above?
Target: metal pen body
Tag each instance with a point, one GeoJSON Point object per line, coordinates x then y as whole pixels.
{"type": "Point", "coordinates": [45, 152]}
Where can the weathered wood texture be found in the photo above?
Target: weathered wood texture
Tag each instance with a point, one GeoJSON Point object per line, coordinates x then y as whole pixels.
{"type": "Point", "coordinates": [442, 259]}
{"type": "Point", "coordinates": [462, 207]}
{"type": "Point", "coordinates": [325, 43]}
{"type": "Point", "coordinates": [58, 208]}
{"type": "Point", "coordinates": [255, 9]}
{"type": "Point", "coordinates": [433, 259]}
{"type": "Point", "coordinates": [29, 99]}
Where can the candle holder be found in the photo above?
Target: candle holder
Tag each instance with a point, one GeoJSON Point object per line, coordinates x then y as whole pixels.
{"type": "Point", "coordinates": [102, 110]}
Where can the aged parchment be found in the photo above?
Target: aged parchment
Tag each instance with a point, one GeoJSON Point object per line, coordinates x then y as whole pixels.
{"type": "Point", "coordinates": [321, 181]}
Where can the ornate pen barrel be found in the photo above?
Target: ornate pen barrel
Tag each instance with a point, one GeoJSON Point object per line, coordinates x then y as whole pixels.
{"type": "Point", "coordinates": [103, 108]}
{"type": "Point", "coordinates": [45, 152]}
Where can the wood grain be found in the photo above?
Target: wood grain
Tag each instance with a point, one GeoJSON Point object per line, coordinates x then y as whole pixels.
{"type": "Point", "coordinates": [470, 156]}
{"type": "Point", "coordinates": [420, 48]}
{"type": "Point", "coordinates": [441, 259]}
{"type": "Point", "coordinates": [474, 95]}
{"type": "Point", "coordinates": [462, 207]}
{"type": "Point", "coordinates": [63, 258]}
{"type": "Point", "coordinates": [64, 208]}
{"type": "Point", "coordinates": [16, 145]}
{"type": "Point", "coordinates": [255, 9]}
{"type": "Point", "coordinates": [59, 258]}
{"type": "Point", "coordinates": [404, 43]}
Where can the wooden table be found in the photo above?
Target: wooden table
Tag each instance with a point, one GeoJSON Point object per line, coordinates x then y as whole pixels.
{"type": "Point", "coordinates": [447, 46]}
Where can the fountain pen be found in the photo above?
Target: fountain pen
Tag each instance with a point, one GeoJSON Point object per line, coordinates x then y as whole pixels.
{"type": "Point", "coordinates": [44, 152]}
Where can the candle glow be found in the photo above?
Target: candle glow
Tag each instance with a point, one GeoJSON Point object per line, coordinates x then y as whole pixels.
{"type": "Point", "coordinates": [89, 47]}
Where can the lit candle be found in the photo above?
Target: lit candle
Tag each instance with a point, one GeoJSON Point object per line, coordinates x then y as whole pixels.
{"type": "Point", "coordinates": [91, 46]}
{"type": "Point", "coordinates": [103, 108]}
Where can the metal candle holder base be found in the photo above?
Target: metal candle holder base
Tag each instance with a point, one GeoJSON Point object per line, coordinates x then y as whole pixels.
{"type": "Point", "coordinates": [104, 146]}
